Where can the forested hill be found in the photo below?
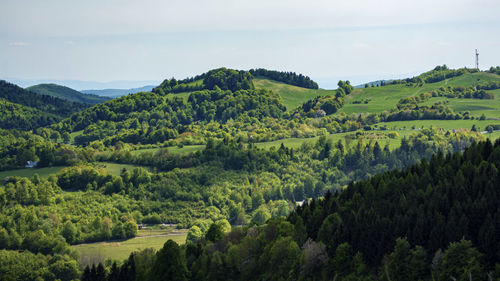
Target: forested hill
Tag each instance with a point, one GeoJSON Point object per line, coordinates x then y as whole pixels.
{"type": "Point", "coordinates": [16, 94]}
{"type": "Point", "coordinates": [222, 78]}
{"type": "Point", "coordinates": [290, 78]}
{"type": "Point", "coordinates": [437, 220]}
{"type": "Point", "coordinates": [230, 79]}
{"type": "Point", "coordinates": [16, 116]}
{"type": "Point", "coordinates": [66, 93]}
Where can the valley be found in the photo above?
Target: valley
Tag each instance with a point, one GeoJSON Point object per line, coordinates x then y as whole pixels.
{"type": "Point", "coordinates": [255, 170]}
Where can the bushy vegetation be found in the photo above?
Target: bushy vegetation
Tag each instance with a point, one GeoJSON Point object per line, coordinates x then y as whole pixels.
{"type": "Point", "coordinates": [18, 147]}
{"type": "Point", "coordinates": [475, 92]}
{"type": "Point", "coordinates": [495, 70]}
{"type": "Point", "coordinates": [16, 116]}
{"type": "Point", "coordinates": [151, 118]}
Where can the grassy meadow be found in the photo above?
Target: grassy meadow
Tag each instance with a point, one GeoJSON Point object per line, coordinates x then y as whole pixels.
{"type": "Point", "coordinates": [121, 249]}
{"type": "Point", "coordinates": [292, 96]}
{"type": "Point", "coordinates": [386, 97]}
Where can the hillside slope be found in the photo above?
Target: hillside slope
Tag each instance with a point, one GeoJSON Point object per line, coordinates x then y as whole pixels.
{"type": "Point", "coordinates": [66, 93]}
{"type": "Point", "coordinates": [385, 98]}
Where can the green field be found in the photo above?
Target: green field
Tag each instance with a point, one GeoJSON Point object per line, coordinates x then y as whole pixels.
{"type": "Point", "coordinates": [292, 96]}
{"type": "Point", "coordinates": [29, 172]}
{"type": "Point", "coordinates": [445, 124]}
{"type": "Point", "coordinates": [386, 97]}
{"type": "Point", "coordinates": [120, 250]}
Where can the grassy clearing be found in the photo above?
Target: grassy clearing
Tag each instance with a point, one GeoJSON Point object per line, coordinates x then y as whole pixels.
{"type": "Point", "coordinates": [173, 149]}
{"type": "Point", "coordinates": [75, 134]}
{"type": "Point", "coordinates": [292, 96]}
{"type": "Point", "coordinates": [29, 172]}
{"type": "Point", "coordinates": [115, 168]}
{"type": "Point", "coordinates": [120, 250]}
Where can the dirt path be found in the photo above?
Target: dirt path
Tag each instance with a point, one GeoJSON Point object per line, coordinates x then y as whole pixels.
{"type": "Point", "coordinates": [161, 235]}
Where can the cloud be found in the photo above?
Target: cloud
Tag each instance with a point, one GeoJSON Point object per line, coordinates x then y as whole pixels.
{"type": "Point", "coordinates": [18, 44]}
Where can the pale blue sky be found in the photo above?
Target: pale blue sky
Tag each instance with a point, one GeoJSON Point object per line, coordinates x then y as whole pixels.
{"type": "Point", "coordinates": [111, 40]}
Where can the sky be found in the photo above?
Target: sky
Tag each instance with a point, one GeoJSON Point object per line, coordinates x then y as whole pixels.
{"type": "Point", "coordinates": [134, 43]}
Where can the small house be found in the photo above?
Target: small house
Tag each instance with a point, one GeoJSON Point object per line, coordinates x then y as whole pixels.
{"type": "Point", "coordinates": [31, 164]}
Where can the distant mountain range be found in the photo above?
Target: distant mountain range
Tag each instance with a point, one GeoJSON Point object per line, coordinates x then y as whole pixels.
{"type": "Point", "coordinates": [113, 93]}
{"type": "Point", "coordinates": [66, 93]}
{"type": "Point", "coordinates": [80, 85]}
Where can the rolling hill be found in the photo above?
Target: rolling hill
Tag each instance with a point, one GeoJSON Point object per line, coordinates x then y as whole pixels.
{"type": "Point", "coordinates": [385, 98]}
{"type": "Point", "coordinates": [25, 110]}
{"type": "Point", "coordinates": [16, 94]}
{"type": "Point", "coordinates": [66, 93]}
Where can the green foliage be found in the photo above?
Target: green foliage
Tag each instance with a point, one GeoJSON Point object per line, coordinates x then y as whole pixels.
{"type": "Point", "coordinates": [27, 266]}
{"type": "Point", "coordinates": [170, 264]}
{"type": "Point", "coordinates": [194, 234]}
{"type": "Point", "coordinates": [16, 116]}
{"type": "Point", "coordinates": [228, 79]}
{"type": "Point", "coordinates": [17, 147]}
{"type": "Point", "coordinates": [461, 261]}
{"type": "Point", "coordinates": [370, 215]}
{"type": "Point", "coordinates": [163, 119]}
{"type": "Point", "coordinates": [439, 73]}
{"type": "Point", "coordinates": [495, 70]}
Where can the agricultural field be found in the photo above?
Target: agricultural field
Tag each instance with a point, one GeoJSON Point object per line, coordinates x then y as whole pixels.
{"type": "Point", "coordinates": [121, 249]}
